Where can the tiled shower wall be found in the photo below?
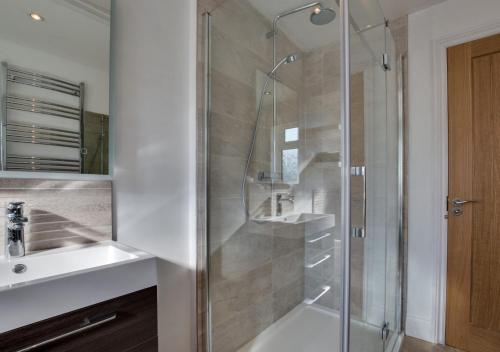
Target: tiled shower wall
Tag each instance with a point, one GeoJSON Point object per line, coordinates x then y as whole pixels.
{"type": "Point", "coordinates": [60, 213]}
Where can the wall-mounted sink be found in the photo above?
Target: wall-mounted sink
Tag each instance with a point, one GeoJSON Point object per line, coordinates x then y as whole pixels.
{"type": "Point", "coordinates": [58, 281]}
{"type": "Point", "coordinates": [295, 218]}
{"type": "Point", "coordinates": [56, 263]}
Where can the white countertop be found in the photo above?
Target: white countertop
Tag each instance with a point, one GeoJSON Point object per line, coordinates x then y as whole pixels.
{"type": "Point", "coordinates": [62, 280]}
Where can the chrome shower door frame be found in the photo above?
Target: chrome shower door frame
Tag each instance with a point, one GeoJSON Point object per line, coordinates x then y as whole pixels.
{"type": "Point", "coordinates": [345, 114]}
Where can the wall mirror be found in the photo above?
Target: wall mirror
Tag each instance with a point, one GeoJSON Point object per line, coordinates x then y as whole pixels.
{"type": "Point", "coordinates": [54, 84]}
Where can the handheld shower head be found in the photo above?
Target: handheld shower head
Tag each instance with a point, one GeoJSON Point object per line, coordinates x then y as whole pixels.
{"type": "Point", "coordinates": [293, 57]}
{"type": "Point", "coordinates": [289, 59]}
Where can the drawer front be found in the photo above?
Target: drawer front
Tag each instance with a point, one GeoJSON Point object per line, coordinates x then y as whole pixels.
{"type": "Point", "coordinates": [148, 346]}
{"type": "Point", "coordinates": [122, 324]}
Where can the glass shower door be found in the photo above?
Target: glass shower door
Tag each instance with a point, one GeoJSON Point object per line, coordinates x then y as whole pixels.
{"type": "Point", "coordinates": [394, 202]}
{"type": "Point", "coordinates": [368, 184]}
{"type": "Point", "coordinates": [374, 194]}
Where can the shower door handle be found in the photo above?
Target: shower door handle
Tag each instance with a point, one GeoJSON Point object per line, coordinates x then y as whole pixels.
{"type": "Point", "coordinates": [360, 231]}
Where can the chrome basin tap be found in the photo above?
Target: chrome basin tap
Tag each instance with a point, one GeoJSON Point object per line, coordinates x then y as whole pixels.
{"type": "Point", "coordinates": [15, 246]}
{"type": "Point", "coordinates": [280, 198]}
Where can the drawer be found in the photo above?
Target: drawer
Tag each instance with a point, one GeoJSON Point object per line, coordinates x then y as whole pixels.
{"type": "Point", "coordinates": [126, 323]}
{"type": "Point", "coordinates": [148, 346]}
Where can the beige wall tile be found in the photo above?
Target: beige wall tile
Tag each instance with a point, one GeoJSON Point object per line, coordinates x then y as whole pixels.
{"type": "Point", "coordinates": [60, 213]}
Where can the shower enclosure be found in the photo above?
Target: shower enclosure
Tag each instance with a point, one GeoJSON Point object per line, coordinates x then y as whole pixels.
{"type": "Point", "coordinates": [302, 177]}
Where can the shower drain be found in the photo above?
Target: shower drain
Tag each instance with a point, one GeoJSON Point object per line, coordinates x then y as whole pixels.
{"type": "Point", "coordinates": [19, 268]}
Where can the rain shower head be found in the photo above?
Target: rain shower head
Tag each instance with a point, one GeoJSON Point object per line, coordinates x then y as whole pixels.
{"type": "Point", "coordinates": [322, 15]}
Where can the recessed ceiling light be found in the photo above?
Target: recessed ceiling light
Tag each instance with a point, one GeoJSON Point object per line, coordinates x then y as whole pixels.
{"type": "Point", "coordinates": [36, 17]}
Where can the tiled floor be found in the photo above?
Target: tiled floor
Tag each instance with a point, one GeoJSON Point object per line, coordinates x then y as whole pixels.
{"type": "Point", "coordinates": [414, 345]}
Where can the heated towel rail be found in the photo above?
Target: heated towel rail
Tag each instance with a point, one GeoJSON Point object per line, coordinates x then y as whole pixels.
{"type": "Point", "coordinates": [12, 131]}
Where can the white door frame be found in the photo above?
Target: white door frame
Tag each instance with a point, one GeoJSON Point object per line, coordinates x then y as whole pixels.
{"type": "Point", "coordinates": [441, 126]}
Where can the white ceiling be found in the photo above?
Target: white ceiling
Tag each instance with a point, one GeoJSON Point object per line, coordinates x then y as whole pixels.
{"type": "Point", "coordinates": [98, 8]}
{"type": "Point", "coordinates": [103, 5]}
{"type": "Point", "coordinates": [396, 8]}
{"type": "Point", "coordinates": [77, 30]}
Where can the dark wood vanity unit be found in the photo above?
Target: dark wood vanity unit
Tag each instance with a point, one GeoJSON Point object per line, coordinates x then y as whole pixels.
{"type": "Point", "coordinates": [123, 324]}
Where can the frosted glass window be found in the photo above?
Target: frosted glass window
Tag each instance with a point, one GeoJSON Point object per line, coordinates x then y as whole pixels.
{"type": "Point", "coordinates": [292, 134]}
{"type": "Point", "coordinates": [290, 165]}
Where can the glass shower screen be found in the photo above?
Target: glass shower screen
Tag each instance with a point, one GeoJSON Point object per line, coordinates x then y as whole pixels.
{"type": "Point", "coordinates": [274, 182]}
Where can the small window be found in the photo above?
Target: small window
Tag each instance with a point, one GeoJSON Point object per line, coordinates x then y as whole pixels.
{"type": "Point", "coordinates": [291, 134]}
{"type": "Point", "coordinates": [290, 165]}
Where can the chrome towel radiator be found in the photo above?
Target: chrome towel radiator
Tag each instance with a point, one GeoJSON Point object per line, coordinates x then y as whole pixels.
{"type": "Point", "coordinates": [12, 131]}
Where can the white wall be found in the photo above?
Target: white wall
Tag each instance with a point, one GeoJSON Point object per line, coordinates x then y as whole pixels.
{"type": "Point", "coordinates": [427, 148]}
{"type": "Point", "coordinates": [153, 104]}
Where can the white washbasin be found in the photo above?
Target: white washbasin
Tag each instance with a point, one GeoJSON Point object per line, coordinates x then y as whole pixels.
{"type": "Point", "coordinates": [58, 263]}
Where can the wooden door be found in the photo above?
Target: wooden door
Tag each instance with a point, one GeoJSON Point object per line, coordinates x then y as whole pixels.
{"type": "Point", "coordinates": [473, 281]}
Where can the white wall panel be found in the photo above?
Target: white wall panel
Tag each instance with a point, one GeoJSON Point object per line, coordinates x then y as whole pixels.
{"type": "Point", "coordinates": [153, 105]}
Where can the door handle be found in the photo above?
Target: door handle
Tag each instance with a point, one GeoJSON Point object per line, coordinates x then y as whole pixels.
{"type": "Point", "coordinates": [87, 325]}
{"type": "Point", "coordinates": [360, 232]}
{"type": "Point", "coordinates": [459, 202]}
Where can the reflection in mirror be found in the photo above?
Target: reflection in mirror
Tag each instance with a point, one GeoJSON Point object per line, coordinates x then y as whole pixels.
{"type": "Point", "coordinates": [54, 80]}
